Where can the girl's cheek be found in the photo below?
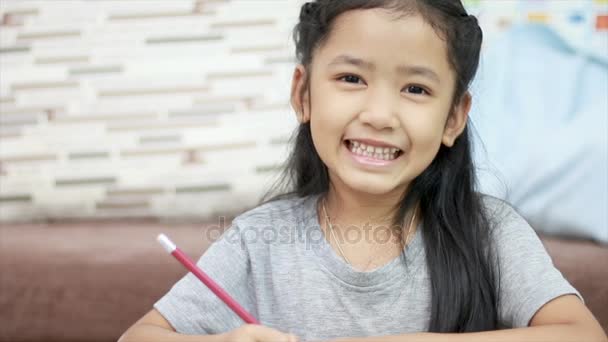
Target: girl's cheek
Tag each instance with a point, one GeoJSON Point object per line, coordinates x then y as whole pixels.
{"type": "Point", "coordinates": [424, 129]}
{"type": "Point", "coordinates": [333, 113]}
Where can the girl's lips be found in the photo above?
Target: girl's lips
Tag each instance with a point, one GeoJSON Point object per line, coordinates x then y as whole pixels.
{"type": "Point", "coordinates": [369, 161]}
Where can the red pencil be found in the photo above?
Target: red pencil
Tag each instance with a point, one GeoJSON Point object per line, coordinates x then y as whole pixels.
{"type": "Point", "coordinates": [210, 283]}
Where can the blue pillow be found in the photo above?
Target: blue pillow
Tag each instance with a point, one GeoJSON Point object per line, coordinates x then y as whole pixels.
{"type": "Point", "coordinates": [540, 119]}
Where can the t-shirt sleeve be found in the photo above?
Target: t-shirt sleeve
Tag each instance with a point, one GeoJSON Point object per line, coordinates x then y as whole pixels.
{"type": "Point", "coordinates": [527, 277]}
{"type": "Point", "coordinates": [191, 308]}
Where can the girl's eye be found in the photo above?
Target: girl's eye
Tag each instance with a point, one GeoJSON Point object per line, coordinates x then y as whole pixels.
{"type": "Point", "coordinates": [413, 89]}
{"type": "Point", "coordinates": [417, 90]}
{"type": "Point", "coordinates": [350, 78]}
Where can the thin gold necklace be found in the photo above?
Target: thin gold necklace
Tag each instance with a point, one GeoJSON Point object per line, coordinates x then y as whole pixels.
{"type": "Point", "coordinates": [331, 230]}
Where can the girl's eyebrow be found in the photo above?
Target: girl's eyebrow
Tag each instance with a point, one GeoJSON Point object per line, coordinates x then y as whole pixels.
{"type": "Point", "coordinates": [408, 70]}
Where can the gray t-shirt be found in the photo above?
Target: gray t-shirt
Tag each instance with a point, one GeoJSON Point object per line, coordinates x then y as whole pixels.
{"type": "Point", "coordinates": [275, 261]}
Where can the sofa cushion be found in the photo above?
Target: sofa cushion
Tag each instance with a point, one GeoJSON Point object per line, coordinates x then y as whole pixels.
{"type": "Point", "coordinates": [583, 263]}
{"type": "Point", "coordinates": [87, 281]}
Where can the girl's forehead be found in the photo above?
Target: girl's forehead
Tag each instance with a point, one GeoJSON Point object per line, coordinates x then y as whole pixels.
{"type": "Point", "coordinates": [385, 40]}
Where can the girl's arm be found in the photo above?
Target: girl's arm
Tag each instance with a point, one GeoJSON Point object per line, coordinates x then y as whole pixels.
{"type": "Point", "coordinates": [565, 318]}
{"type": "Point", "coordinates": [154, 327]}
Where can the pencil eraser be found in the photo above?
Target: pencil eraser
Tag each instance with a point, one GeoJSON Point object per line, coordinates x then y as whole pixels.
{"type": "Point", "coordinates": [166, 243]}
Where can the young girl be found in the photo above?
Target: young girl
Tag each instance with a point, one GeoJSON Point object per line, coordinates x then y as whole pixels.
{"type": "Point", "coordinates": [381, 234]}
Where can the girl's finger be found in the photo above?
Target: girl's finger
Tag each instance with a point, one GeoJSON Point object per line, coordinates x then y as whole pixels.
{"type": "Point", "coordinates": [266, 334]}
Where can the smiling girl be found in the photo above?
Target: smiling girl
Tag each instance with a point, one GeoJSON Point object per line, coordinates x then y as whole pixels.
{"type": "Point", "coordinates": [387, 238]}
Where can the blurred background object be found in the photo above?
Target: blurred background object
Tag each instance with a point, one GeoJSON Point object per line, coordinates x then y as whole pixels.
{"type": "Point", "coordinates": [541, 115]}
{"type": "Point", "coordinates": [119, 119]}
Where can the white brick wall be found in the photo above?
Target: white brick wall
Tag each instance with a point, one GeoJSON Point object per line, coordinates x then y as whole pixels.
{"type": "Point", "coordinates": [141, 108]}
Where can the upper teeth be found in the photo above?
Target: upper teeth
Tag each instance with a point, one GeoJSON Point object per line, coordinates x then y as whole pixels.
{"type": "Point", "coordinates": [384, 153]}
{"type": "Point", "coordinates": [372, 149]}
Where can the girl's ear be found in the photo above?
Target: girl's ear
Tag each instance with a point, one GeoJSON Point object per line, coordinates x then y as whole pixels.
{"type": "Point", "coordinates": [299, 95]}
{"type": "Point", "coordinates": [457, 120]}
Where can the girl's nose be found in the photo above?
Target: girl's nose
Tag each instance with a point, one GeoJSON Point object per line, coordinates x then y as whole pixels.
{"type": "Point", "coordinates": [380, 112]}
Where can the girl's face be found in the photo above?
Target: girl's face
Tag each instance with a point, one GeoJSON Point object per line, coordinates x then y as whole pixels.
{"type": "Point", "coordinates": [380, 94]}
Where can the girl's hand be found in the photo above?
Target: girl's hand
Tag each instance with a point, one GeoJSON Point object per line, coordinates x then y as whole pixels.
{"type": "Point", "coordinates": [258, 333]}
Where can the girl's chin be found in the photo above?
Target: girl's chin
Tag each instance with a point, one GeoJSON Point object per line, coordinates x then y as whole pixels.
{"type": "Point", "coordinates": [368, 185]}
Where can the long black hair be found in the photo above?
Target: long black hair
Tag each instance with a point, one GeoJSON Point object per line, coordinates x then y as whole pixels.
{"type": "Point", "coordinates": [456, 227]}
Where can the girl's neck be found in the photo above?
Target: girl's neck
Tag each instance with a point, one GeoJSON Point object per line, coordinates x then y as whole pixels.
{"type": "Point", "coordinates": [348, 208]}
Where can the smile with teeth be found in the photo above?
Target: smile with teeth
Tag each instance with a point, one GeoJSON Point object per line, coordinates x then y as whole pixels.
{"type": "Point", "coordinates": [382, 153]}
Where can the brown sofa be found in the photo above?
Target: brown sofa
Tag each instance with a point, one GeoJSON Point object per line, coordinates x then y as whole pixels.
{"type": "Point", "coordinates": [91, 281]}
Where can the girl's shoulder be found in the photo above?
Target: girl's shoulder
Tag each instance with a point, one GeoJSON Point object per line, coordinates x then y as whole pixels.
{"type": "Point", "coordinates": [289, 210]}
{"type": "Point", "coordinates": [505, 222]}
{"type": "Point", "coordinates": [495, 208]}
